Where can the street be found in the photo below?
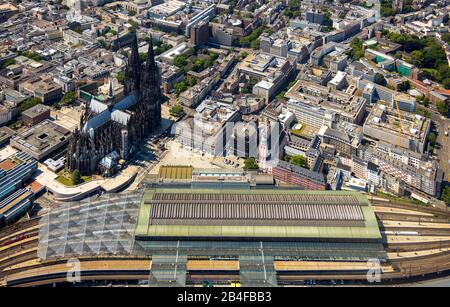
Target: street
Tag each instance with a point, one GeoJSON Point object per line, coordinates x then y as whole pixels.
{"type": "Point", "coordinates": [443, 150]}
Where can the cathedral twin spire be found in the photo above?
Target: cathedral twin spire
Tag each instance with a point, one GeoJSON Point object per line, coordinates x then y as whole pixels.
{"type": "Point", "coordinates": [143, 82]}
{"type": "Point", "coordinates": [137, 72]}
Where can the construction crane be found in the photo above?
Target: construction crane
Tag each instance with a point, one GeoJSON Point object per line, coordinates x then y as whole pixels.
{"type": "Point", "coordinates": [399, 114]}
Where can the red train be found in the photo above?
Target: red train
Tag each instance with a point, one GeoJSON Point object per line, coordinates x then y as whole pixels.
{"type": "Point", "coordinates": [17, 239]}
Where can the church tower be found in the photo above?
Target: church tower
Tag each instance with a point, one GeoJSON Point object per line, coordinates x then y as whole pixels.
{"type": "Point", "coordinates": [151, 90]}
{"type": "Point", "coordinates": [132, 73]}
{"type": "Point", "coordinates": [123, 126]}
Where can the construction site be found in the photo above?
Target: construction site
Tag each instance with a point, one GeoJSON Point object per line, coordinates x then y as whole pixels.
{"type": "Point", "coordinates": [398, 128]}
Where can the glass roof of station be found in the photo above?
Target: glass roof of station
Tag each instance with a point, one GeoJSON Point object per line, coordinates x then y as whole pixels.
{"type": "Point", "coordinates": [97, 226]}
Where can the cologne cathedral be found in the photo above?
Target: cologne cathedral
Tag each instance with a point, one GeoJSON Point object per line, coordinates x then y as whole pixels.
{"type": "Point", "coordinates": [110, 129]}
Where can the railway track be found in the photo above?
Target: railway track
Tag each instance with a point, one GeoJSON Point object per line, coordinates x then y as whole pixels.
{"type": "Point", "coordinates": [8, 231]}
{"type": "Point", "coordinates": [18, 245]}
{"type": "Point", "coordinates": [414, 247]}
{"type": "Point", "coordinates": [26, 256]}
{"type": "Point", "coordinates": [408, 218]}
{"type": "Point", "coordinates": [421, 231]}
{"type": "Point", "coordinates": [435, 211]}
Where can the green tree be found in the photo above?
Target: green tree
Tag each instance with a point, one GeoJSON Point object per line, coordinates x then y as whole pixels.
{"type": "Point", "coordinates": [176, 111]}
{"type": "Point", "coordinates": [446, 37]}
{"type": "Point", "coordinates": [134, 25]}
{"type": "Point", "coordinates": [281, 95]}
{"type": "Point", "coordinates": [180, 61]}
{"type": "Point", "coordinates": [446, 195]}
{"type": "Point", "coordinates": [442, 107]}
{"type": "Point", "coordinates": [32, 55]}
{"type": "Point", "coordinates": [143, 56]}
{"type": "Point", "coordinates": [246, 41]}
{"type": "Point", "coordinates": [416, 58]}
{"type": "Point", "coordinates": [197, 66]}
{"type": "Point", "coordinates": [299, 160]}
{"type": "Point", "coordinates": [27, 104]}
{"type": "Point", "coordinates": [357, 51]}
{"type": "Point", "coordinates": [67, 99]}
{"type": "Point", "coordinates": [180, 87]}
{"type": "Point", "coordinates": [102, 43]}
{"type": "Point", "coordinates": [76, 177]}
{"type": "Point", "coordinates": [162, 48]}
{"type": "Point", "coordinates": [379, 79]}
{"type": "Point", "coordinates": [248, 88]}
{"type": "Point", "coordinates": [423, 112]}
{"type": "Point", "coordinates": [404, 87]}
{"type": "Point", "coordinates": [7, 62]}
{"type": "Point", "coordinates": [255, 44]}
{"type": "Point", "coordinates": [191, 82]}
{"type": "Point", "coordinates": [250, 164]}
{"type": "Point", "coordinates": [386, 8]}
{"type": "Point", "coordinates": [432, 139]}
{"type": "Point", "coordinates": [121, 77]}
{"type": "Point", "coordinates": [446, 83]}
{"type": "Point", "coordinates": [243, 55]}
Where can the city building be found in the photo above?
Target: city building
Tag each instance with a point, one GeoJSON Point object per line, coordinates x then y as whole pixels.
{"type": "Point", "coordinates": [313, 117]}
{"type": "Point", "coordinates": [404, 129]}
{"type": "Point", "coordinates": [41, 140]}
{"type": "Point", "coordinates": [140, 6]}
{"type": "Point", "coordinates": [35, 115]}
{"type": "Point", "coordinates": [344, 139]}
{"type": "Point", "coordinates": [272, 73]}
{"type": "Point", "coordinates": [208, 129]}
{"type": "Point", "coordinates": [44, 89]}
{"type": "Point", "coordinates": [374, 92]}
{"type": "Point", "coordinates": [292, 174]}
{"type": "Point", "coordinates": [15, 199]}
{"type": "Point", "coordinates": [343, 106]}
{"type": "Point", "coordinates": [426, 177]}
{"type": "Point", "coordinates": [200, 21]}
{"type": "Point", "coordinates": [392, 64]}
{"type": "Point", "coordinates": [122, 126]}
{"type": "Point", "coordinates": [5, 135]}
{"type": "Point", "coordinates": [199, 33]}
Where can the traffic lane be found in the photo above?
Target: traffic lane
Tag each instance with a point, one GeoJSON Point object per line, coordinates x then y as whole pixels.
{"type": "Point", "coordinates": [443, 152]}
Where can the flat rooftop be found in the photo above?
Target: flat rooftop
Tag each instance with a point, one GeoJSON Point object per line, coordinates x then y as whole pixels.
{"type": "Point", "coordinates": [42, 137]}
{"type": "Point", "coordinates": [408, 125]}
{"type": "Point", "coordinates": [167, 8]}
{"type": "Point", "coordinates": [36, 110]}
{"type": "Point", "coordinates": [321, 96]}
{"type": "Point", "coordinates": [175, 172]}
{"type": "Point", "coordinates": [282, 214]}
{"type": "Point", "coordinates": [5, 134]}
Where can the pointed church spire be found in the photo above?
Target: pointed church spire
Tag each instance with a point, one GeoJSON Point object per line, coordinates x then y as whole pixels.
{"type": "Point", "coordinates": [134, 58]}
{"type": "Point", "coordinates": [110, 89]}
{"type": "Point", "coordinates": [132, 75]}
{"type": "Point", "coordinates": [150, 54]}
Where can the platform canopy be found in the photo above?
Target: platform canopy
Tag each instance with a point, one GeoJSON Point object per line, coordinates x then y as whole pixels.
{"type": "Point", "coordinates": [255, 214]}
{"type": "Point", "coordinates": [97, 226]}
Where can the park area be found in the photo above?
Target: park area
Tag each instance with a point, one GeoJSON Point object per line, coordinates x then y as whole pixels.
{"type": "Point", "coordinates": [72, 179]}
